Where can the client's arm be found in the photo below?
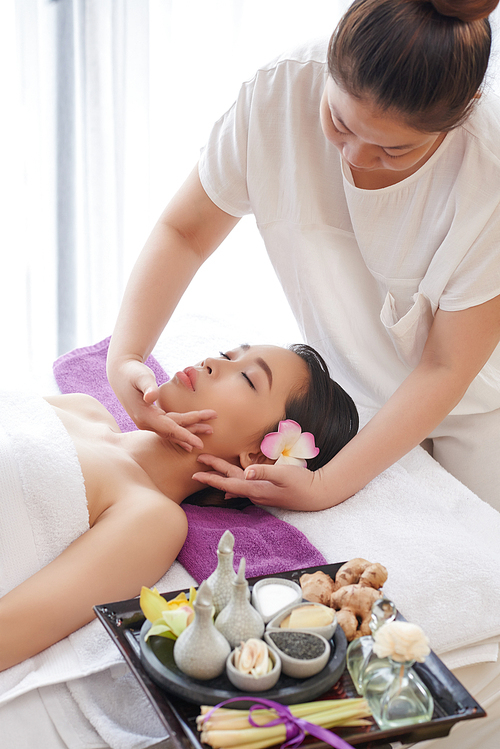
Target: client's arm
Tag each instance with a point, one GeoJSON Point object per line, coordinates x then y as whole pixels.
{"type": "Point", "coordinates": [133, 543]}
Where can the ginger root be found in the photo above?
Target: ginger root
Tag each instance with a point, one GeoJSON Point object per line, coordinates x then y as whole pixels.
{"type": "Point", "coordinates": [361, 571]}
{"type": "Point", "coordinates": [352, 594]}
{"type": "Point", "coordinates": [353, 604]}
{"type": "Point", "coordinates": [317, 587]}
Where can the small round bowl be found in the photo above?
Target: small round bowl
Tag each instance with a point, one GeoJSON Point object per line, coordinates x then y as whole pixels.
{"type": "Point", "coordinates": [326, 631]}
{"type": "Point", "coordinates": [299, 668]}
{"type": "Point", "coordinates": [249, 683]}
{"type": "Point", "coordinates": [291, 594]}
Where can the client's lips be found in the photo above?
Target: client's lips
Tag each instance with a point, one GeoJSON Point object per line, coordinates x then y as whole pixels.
{"type": "Point", "coordinates": [187, 377]}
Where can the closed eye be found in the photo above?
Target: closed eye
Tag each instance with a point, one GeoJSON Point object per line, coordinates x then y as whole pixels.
{"type": "Point", "coordinates": [247, 378]}
{"type": "Point", "coordinates": [341, 132]}
{"type": "Point", "coordinates": [397, 156]}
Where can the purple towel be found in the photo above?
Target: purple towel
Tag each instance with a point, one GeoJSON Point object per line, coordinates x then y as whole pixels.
{"type": "Point", "coordinates": [268, 544]}
{"type": "Point", "coordinates": [84, 371]}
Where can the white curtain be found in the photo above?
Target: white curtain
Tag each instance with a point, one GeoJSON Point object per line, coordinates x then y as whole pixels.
{"type": "Point", "coordinates": [106, 104]}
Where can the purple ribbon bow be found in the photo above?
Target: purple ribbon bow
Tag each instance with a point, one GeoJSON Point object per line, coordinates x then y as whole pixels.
{"type": "Point", "coordinates": [296, 728]}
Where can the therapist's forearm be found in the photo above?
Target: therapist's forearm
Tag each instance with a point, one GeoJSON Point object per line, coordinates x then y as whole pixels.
{"type": "Point", "coordinates": [421, 402]}
{"type": "Point", "coordinates": [162, 273]}
{"type": "Point", "coordinates": [189, 230]}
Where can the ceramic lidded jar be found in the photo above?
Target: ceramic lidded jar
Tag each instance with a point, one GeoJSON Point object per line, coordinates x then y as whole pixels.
{"type": "Point", "coordinates": [221, 579]}
{"type": "Point", "coordinates": [239, 620]}
{"type": "Point", "coordinates": [201, 650]}
{"type": "Point", "coordinates": [360, 651]}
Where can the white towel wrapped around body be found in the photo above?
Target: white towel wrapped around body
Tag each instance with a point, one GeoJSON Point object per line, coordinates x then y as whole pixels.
{"type": "Point", "coordinates": [43, 504]}
{"type": "Point", "coordinates": [43, 508]}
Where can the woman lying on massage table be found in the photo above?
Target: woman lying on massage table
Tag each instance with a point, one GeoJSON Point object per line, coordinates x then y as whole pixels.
{"type": "Point", "coordinates": [135, 481]}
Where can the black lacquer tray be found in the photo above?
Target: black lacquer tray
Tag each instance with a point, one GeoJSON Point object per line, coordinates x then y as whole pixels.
{"type": "Point", "coordinates": [157, 659]}
{"type": "Point", "coordinates": [123, 621]}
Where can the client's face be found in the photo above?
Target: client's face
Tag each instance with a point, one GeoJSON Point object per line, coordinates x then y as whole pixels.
{"type": "Point", "coordinates": [248, 387]}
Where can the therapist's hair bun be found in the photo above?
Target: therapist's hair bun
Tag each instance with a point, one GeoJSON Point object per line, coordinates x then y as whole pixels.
{"type": "Point", "coordinates": [420, 60]}
{"type": "Point", "coordinates": [473, 10]}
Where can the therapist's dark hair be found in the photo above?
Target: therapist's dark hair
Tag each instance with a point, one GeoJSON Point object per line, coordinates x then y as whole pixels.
{"type": "Point", "coordinates": [424, 62]}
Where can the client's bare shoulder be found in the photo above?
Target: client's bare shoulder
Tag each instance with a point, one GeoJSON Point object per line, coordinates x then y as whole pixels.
{"type": "Point", "coordinates": [84, 406]}
{"type": "Point", "coordinates": [148, 526]}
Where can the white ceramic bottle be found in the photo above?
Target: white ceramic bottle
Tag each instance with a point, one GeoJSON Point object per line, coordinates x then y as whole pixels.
{"type": "Point", "coordinates": [201, 650]}
{"type": "Point", "coordinates": [239, 620]}
{"type": "Point", "coordinates": [221, 579]}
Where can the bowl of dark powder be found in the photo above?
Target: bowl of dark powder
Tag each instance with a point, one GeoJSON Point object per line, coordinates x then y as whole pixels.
{"type": "Point", "coordinates": [302, 653]}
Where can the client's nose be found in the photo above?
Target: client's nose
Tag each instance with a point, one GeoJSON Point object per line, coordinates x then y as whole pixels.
{"type": "Point", "coordinates": [210, 365]}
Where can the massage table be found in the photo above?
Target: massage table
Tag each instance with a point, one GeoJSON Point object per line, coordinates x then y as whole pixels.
{"type": "Point", "coordinates": [439, 542]}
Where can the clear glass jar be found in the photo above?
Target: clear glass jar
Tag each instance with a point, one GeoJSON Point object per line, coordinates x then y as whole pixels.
{"type": "Point", "coordinates": [396, 695]}
{"type": "Point", "coordinates": [360, 651]}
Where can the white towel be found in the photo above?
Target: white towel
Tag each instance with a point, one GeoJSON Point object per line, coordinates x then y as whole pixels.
{"type": "Point", "coordinates": [440, 544]}
{"type": "Point", "coordinates": [43, 504]}
{"type": "Point", "coordinates": [43, 508]}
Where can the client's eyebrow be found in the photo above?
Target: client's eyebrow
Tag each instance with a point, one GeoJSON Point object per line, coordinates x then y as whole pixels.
{"type": "Point", "coordinates": [263, 364]}
{"type": "Point", "coordinates": [267, 370]}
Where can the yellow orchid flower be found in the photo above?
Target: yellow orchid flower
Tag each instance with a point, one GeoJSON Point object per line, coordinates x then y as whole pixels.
{"type": "Point", "coordinates": [172, 623]}
{"type": "Point", "coordinates": [169, 618]}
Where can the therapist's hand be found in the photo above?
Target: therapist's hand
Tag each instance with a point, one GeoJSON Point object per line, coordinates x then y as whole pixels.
{"type": "Point", "coordinates": [285, 486]}
{"type": "Point", "coordinates": [138, 393]}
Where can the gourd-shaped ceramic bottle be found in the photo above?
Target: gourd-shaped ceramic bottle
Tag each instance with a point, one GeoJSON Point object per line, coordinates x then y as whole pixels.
{"type": "Point", "coordinates": [239, 621]}
{"type": "Point", "coordinates": [201, 650]}
{"type": "Point", "coordinates": [360, 650]}
{"type": "Point", "coordinates": [221, 579]}
{"type": "Point", "coordinates": [396, 696]}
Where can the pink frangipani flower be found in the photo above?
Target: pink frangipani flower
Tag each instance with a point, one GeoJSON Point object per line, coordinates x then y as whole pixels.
{"type": "Point", "coordinates": [289, 445]}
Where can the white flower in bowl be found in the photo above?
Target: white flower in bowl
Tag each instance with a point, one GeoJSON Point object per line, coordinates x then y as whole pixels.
{"type": "Point", "coordinates": [401, 641]}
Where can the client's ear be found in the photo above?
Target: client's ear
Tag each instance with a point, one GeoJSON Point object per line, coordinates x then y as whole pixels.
{"type": "Point", "coordinates": [249, 458]}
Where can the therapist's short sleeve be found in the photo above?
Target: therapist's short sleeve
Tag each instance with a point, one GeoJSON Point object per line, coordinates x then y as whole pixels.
{"type": "Point", "coordinates": [477, 278]}
{"type": "Point", "coordinates": [223, 161]}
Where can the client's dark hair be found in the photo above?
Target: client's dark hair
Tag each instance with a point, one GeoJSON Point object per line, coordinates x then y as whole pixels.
{"type": "Point", "coordinates": [321, 407]}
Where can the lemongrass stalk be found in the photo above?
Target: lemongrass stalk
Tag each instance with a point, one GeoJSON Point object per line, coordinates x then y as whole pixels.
{"type": "Point", "coordinates": [339, 713]}
{"type": "Point", "coordinates": [254, 745]}
{"type": "Point", "coordinates": [300, 706]}
{"type": "Point", "coordinates": [300, 710]}
{"type": "Point", "coordinates": [222, 738]}
{"type": "Point", "coordinates": [343, 710]}
{"type": "Point", "coordinates": [204, 709]}
{"type": "Point", "coordinates": [227, 724]}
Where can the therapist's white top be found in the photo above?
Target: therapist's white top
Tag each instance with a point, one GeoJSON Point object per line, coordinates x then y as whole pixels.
{"type": "Point", "coordinates": [363, 270]}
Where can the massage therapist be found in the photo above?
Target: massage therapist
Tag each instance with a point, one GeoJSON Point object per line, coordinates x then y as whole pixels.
{"type": "Point", "coordinates": [372, 166]}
